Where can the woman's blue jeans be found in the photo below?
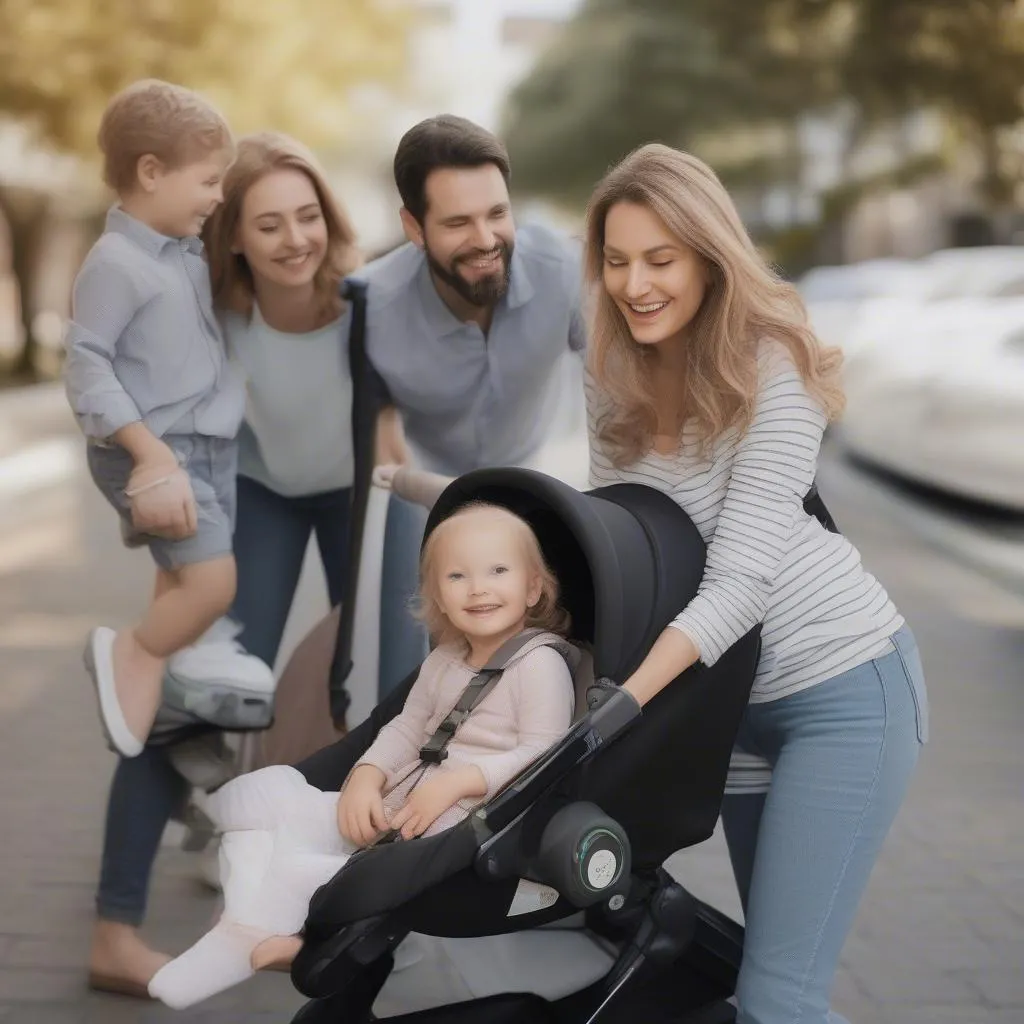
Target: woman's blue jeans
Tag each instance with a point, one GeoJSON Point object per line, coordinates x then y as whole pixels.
{"type": "Point", "coordinates": [271, 536]}
{"type": "Point", "coordinates": [270, 544]}
{"type": "Point", "coordinates": [842, 753]}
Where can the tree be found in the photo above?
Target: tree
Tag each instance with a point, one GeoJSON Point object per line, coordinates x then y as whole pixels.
{"type": "Point", "coordinates": [286, 64]}
{"type": "Point", "coordinates": [964, 58]}
{"type": "Point", "coordinates": [683, 71]}
{"type": "Point", "coordinates": [289, 64]}
{"type": "Point", "coordinates": [627, 72]}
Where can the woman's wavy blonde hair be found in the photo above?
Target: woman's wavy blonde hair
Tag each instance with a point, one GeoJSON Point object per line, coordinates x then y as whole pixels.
{"type": "Point", "coordinates": [230, 275]}
{"type": "Point", "coordinates": [546, 614]}
{"type": "Point", "coordinates": [745, 303]}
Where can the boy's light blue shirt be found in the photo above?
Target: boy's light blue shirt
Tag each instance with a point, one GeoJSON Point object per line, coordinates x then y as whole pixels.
{"type": "Point", "coordinates": [143, 342]}
{"type": "Point", "coordinates": [469, 400]}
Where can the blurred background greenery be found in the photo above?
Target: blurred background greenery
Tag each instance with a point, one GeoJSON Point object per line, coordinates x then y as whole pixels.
{"type": "Point", "coordinates": [848, 129]}
{"type": "Point", "coordinates": [807, 108]}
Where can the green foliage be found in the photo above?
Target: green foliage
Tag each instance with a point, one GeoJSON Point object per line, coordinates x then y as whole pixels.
{"type": "Point", "coordinates": [286, 64]}
{"type": "Point", "coordinates": [695, 72]}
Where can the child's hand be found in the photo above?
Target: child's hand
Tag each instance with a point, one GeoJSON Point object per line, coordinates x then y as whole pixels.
{"type": "Point", "coordinates": [162, 502]}
{"type": "Point", "coordinates": [430, 799]}
{"type": "Point", "coordinates": [361, 815]}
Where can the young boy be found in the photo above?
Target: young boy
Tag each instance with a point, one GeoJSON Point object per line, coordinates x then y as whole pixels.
{"type": "Point", "coordinates": [149, 383]}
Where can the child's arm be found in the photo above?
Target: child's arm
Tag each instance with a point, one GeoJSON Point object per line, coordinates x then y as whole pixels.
{"type": "Point", "coordinates": [103, 305]}
{"type": "Point", "coordinates": [544, 700]}
{"type": "Point", "coordinates": [399, 742]}
{"type": "Point", "coordinates": [432, 797]}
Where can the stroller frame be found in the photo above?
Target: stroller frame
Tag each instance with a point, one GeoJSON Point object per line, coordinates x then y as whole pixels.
{"type": "Point", "coordinates": [678, 958]}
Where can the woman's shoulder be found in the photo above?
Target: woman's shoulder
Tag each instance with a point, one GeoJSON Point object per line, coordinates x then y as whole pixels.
{"type": "Point", "coordinates": [773, 358]}
{"type": "Point", "coordinates": [777, 371]}
{"type": "Point", "coordinates": [783, 397]}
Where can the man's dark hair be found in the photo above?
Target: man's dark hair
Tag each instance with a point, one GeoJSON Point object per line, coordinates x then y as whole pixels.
{"type": "Point", "coordinates": [443, 141]}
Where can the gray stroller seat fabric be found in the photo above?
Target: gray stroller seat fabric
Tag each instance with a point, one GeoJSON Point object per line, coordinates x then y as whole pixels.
{"type": "Point", "coordinates": [552, 962]}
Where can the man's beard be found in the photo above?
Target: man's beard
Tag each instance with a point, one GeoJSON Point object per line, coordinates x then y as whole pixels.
{"type": "Point", "coordinates": [487, 290]}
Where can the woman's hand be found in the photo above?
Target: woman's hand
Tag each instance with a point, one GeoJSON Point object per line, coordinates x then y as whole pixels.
{"type": "Point", "coordinates": [672, 654]}
{"type": "Point", "coordinates": [430, 799]}
{"type": "Point", "coordinates": [361, 816]}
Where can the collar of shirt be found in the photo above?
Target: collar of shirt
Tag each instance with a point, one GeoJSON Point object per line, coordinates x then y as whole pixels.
{"type": "Point", "coordinates": [443, 321]}
{"type": "Point", "coordinates": [145, 237]}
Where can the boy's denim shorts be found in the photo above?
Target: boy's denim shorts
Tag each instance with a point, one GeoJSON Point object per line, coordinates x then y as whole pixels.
{"type": "Point", "coordinates": [211, 464]}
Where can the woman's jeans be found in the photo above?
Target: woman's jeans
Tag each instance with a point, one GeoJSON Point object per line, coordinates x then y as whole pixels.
{"type": "Point", "coordinates": [145, 793]}
{"type": "Point", "coordinates": [842, 754]}
{"type": "Point", "coordinates": [270, 545]}
{"type": "Point", "coordinates": [271, 536]}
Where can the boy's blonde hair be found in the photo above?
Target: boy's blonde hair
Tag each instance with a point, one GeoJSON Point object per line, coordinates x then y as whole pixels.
{"type": "Point", "coordinates": [174, 124]}
{"type": "Point", "coordinates": [230, 275]}
{"type": "Point", "coordinates": [546, 614]}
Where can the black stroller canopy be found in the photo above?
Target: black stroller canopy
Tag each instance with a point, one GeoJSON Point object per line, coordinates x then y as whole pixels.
{"type": "Point", "coordinates": [626, 557]}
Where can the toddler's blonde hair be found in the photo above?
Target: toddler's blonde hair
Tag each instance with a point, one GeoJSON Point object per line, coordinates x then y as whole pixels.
{"type": "Point", "coordinates": [546, 614]}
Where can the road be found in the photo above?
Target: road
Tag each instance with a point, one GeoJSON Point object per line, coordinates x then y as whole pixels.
{"type": "Point", "coordinates": [940, 937]}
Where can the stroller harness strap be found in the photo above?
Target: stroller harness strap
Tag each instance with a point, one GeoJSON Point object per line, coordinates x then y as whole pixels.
{"type": "Point", "coordinates": [434, 751]}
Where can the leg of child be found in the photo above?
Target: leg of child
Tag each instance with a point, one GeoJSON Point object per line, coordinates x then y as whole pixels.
{"type": "Point", "coordinates": [268, 882]}
{"type": "Point", "coordinates": [222, 957]}
{"type": "Point", "coordinates": [105, 649]}
{"type": "Point", "coordinates": [263, 799]}
{"type": "Point", "coordinates": [187, 602]}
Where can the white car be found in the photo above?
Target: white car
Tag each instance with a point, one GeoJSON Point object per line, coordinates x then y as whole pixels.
{"type": "Point", "coordinates": [885, 300]}
{"type": "Point", "coordinates": [837, 296]}
{"type": "Point", "coordinates": [942, 404]}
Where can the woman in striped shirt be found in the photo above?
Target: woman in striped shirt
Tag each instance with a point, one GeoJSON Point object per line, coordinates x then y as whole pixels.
{"type": "Point", "coordinates": [706, 383]}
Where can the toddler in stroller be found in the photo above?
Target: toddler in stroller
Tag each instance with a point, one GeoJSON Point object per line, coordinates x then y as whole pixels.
{"type": "Point", "coordinates": [577, 838]}
{"type": "Point", "coordinates": [489, 700]}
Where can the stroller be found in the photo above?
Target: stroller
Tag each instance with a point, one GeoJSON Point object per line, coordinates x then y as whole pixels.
{"type": "Point", "coordinates": [566, 860]}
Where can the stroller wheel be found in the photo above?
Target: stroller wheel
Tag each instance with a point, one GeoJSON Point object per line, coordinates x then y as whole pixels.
{"type": "Point", "coordinates": [584, 854]}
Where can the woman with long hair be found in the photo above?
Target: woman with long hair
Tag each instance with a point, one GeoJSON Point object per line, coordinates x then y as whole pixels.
{"type": "Point", "coordinates": [706, 382]}
{"type": "Point", "coordinates": [279, 247]}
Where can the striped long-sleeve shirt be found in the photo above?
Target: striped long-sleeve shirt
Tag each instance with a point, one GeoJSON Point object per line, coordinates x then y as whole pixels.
{"type": "Point", "coordinates": [768, 561]}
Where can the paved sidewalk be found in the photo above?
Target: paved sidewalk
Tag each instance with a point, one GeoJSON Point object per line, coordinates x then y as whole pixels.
{"type": "Point", "coordinates": [940, 939]}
